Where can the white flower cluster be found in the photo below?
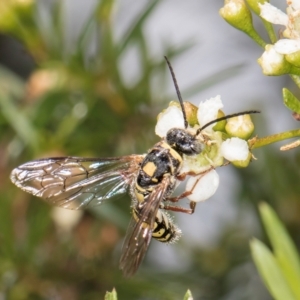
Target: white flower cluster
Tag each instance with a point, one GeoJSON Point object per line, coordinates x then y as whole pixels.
{"type": "Point", "coordinates": [274, 60]}
{"type": "Point", "coordinates": [290, 20]}
{"type": "Point", "coordinates": [233, 149]}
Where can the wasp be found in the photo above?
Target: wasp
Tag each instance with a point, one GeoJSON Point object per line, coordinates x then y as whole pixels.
{"type": "Point", "coordinates": [150, 179]}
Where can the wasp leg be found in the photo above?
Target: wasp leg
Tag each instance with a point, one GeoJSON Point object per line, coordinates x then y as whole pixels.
{"type": "Point", "coordinates": [190, 210]}
{"type": "Point", "coordinates": [181, 209]}
{"type": "Point", "coordinates": [182, 176]}
{"type": "Point", "coordinates": [186, 193]}
{"type": "Point", "coordinates": [181, 196]}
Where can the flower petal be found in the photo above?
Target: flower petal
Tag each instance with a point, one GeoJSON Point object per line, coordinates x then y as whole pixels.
{"type": "Point", "coordinates": [172, 117]}
{"type": "Point", "coordinates": [295, 4]}
{"type": "Point", "coordinates": [286, 46]}
{"type": "Point", "coordinates": [206, 186]}
{"type": "Point", "coordinates": [208, 110]}
{"type": "Point", "coordinates": [272, 14]}
{"type": "Point", "coordinates": [235, 149]}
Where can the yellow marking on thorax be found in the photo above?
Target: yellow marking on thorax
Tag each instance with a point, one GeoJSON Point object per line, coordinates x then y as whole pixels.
{"type": "Point", "coordinates": [149, 168]}
{"type": "Point", "coordinates": [174, 153]}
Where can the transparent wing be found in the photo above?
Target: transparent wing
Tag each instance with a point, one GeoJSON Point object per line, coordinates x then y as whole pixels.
{"type": "Point", "coordinates": [74, 182]}
{"type": "Point", "coordinates": [139, 232]}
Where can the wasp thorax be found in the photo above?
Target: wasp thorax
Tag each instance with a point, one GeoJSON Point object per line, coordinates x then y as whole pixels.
{"type": "Point", "coordinates": [184, 142]}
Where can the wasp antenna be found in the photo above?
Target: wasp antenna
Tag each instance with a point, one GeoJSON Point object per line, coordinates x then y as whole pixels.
{"type": "Point", "coordinates": [178, 92]}
{"type": "Point", "coordinates": [248, 112]}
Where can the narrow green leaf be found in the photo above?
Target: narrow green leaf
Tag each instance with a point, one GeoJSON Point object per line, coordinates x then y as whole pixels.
{"type": "Point", "coordinates": [188, 295]}
{"type": "Point", "coordinates": [11, 83]}
{"type": "Point", "coordinates": [18, 121]}
{"type": "Point", "coordinates": [104, 10]}
{"type": "Point", "coordinates": [291, 101]}
{"type": "Point", "coordinates": [11, 88]}
{"type": "Point", "coordinates": [66, 127]}
{"type": "Point", "coordinates": [284, 249]}
{"type": "Point", "coordinates": [136, 27]}
{"type": "Point", "coordinates": [270, 271]}
{"type": "Point", "coordinates": [111, 295]}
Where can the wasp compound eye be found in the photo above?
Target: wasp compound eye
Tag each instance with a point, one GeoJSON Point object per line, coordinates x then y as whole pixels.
{"type": "Point", "coordinates": [184, 142]}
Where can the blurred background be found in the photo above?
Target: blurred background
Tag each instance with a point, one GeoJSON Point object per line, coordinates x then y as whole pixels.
{"type": "Point", "coordinates": [88, 78]}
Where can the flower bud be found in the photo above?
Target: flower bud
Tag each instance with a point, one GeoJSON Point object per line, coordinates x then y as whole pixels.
{"type": "Point", "coordinates": [242, 163]}
{"type": "Point", "coordinates": [191, 113]}
{"type": "Point", "coordinates": [237, 14]}
{"type": "Point", "coordinates": [273, 63]}
{"type": "Point", "coordinates": [240, 126]}
{"type": "Point", "coordinates": [293, 58]}
{"type": "Point", "coordinates": [220, 126]}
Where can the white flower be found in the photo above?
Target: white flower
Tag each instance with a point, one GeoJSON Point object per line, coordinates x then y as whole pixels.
{"type": "Point", "coordinates": [206, 180]}
{"type": "Point", "coordinates": [172, 117]}
{"type": "Point", "coordinates": [208, 111]}
{"type": "Point", "coordinates": [235, 149]}
{"type": "Point", "coordinates": [290, 20]}
{"type": "Point", "coordinates": [203, 186]}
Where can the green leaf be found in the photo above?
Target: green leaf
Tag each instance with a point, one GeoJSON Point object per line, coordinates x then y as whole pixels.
{"type": "Point", "coordinates": [188, 295]}
{"type": "Point", "coordinates": [111, 295]}
{"type": "Point", "coordinates": [291, 101]}
{"type": "Point", "coordinates": [11, 88]}
{"type": "Point", "coordinates": [137, 26]}
{"type": "Point", "coordinates": [11, 83]}
{"type": "Point", "coordinates": [284, 249]}
{"type": "Point", "coordinates": [18, 121]}
{"type": "Point", "coordinates": [270, 271]}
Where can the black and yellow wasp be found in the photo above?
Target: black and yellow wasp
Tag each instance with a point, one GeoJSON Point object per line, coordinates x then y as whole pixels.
{"type": "Point", "coordinates": [75, 183]}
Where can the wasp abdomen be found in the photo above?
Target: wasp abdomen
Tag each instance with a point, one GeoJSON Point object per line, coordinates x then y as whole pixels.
{"type": "Point", "coordinates": [164, 229]}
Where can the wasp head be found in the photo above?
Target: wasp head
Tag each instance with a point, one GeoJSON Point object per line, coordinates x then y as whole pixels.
{"type": "Point", "coordinates": [184, 142]}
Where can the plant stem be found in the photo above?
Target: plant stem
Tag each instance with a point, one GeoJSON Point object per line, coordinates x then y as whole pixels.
{"type": "Point", "coordinates": [260, 142]}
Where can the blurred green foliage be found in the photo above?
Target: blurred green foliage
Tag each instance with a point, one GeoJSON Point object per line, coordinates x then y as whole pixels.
{"type": "Point", "coordinates": [77, 103]}
{"type": "Point", "coordinates": [281, 270]}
